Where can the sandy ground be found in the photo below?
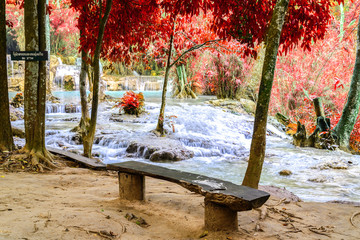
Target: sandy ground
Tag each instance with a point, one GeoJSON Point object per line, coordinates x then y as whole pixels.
{"type": "Point", "coordinates": [78, 203]}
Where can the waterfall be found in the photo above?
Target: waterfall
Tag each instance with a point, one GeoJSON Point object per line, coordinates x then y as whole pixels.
{"type": "Point", "coordinates": [60, 61]}
{"type": "Point", "coordinates": [52, 108]}
{"type": "Point", "coordinates": [62, 71]}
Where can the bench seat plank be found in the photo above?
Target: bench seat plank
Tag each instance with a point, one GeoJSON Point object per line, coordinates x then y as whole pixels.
{"type": "Point", "coordinates": [236, 197]}
{"type": "Point", "coordinates": [89, 162]}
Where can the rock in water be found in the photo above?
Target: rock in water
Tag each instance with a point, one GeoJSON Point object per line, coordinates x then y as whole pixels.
{"type": "Point", "coordinates": [285, 172]}
{"type": "Point", "coordinates": [159, 149]}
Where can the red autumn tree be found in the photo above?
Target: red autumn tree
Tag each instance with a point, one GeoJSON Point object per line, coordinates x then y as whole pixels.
{"type": "Point", "coordinates": [128, 28]}
{"type": "Point", "coordinates": [185, 27]}
{"type": "Point", "coordinates": [304, 22]}
{"type": "Point", "coordinates": [64, 33]}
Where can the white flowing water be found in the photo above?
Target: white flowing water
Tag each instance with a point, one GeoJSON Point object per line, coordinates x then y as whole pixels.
{"type": "Point", "coordinates": [220, 141]}
{"type": "Point", "coordinates": [62, 71]}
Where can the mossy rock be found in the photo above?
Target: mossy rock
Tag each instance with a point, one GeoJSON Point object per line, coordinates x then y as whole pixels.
{"type": "Point", "coordinates": [68, 60]}
{"type": "Point", "coordinates": [69, 83]}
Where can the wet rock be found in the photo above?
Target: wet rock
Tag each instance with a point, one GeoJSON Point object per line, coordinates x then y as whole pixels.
{"type": "Point", "coordinates": [16, 83]}
{"type": "Point", "coordinates": [319, 179]}
{"type": "Point", "coordinates": [248, 105]}
{"type": "Point", "coordinates": [16, 114]}
{"type": "Point", "coordinates": [171, 155]}
{"type": "Point", "coordinates": [340, 164]}
{"type": "Point", "coordinates": [285, 172]}
{"type": "Point", "coordinates": [72, 119]}
{"type": "Point", "coordinates": [69, 108]}
{"type": "Point", "coordinates": [51, 132]}
{"type": "Point", "coordinates": [241, 106]}
{"type": "Point", "coordinates": [232, 105]}
{"type": "Point", "coordinates": [116, 118]}
{"type": "Point", "coordinates": [110, 98]}
{"type": "Point", "coordinates": [141, 150]}
{"type": "Point", "coordinates": [51, 98]}
{"type": "Point", "coordinates": [17, 132]}
{"type": "Point", "coordinates": [159, 149]}
{"type": "Point", "coordinates": [77, 139]}
{"type": "Point", "coordinates": [69, 83]}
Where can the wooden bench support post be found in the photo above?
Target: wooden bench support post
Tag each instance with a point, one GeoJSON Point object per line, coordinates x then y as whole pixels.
{"type": "Point", "coordinates": [131, 186]}
{"type": "Point", "coordinates": [218, 217]}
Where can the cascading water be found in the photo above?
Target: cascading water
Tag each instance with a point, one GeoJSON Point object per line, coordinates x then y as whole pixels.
{"type": "Point", "coordinates": [143, 83]}
{"type": "Point", "coordinates": [62, 71]}
{"type": "Point", "coordinates": [220, 141]}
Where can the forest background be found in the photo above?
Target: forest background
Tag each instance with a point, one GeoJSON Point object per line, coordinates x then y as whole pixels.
{"type": "Point", "coordinates": [300, 76]}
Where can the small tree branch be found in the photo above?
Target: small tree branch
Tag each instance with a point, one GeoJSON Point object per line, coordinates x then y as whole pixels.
{"type": "Point", "coordinates": [194, 48]}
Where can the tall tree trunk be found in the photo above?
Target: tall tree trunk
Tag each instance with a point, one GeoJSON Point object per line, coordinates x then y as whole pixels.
{"type": "Point", "coordinates": [160, 124]}
{"type": "Point", "coordinates": [83, 75]}
{"type": "Point", "coordinates": [258, 143]}
{"type": "Point", "coordinates": [89, 138]}
{"type": "Point", "coordinates": [48, 48]}
{"type": "Point", "coordinates": [350, 112]}
{"type": "Point", "coordinates": [35, 86]}
{"type": "Point", "coordinates": [85, 120]}
{"type": "Point", "coordinates": [6, 139]}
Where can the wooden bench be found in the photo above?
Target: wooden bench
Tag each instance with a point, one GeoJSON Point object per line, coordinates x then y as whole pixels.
{"type": "Point", "coordinates": [88, 162]}
{"type": "Point", "coordinates": [222, 199]}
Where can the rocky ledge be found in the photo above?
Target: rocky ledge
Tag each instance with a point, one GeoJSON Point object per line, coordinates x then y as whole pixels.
{"type": "Point", "coordinates": [159, 149]}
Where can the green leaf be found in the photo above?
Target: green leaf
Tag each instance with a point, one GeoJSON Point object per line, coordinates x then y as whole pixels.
{"type": "Point", "coordinates": [306, 93]}
{"type": "Point", "coordinates": [352, 23]}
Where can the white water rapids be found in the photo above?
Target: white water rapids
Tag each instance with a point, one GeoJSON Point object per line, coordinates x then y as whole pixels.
{"type": "Point", "coordinates": [220, 141]}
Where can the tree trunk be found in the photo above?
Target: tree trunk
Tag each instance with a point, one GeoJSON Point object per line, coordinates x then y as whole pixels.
{"type": "Point", "coordinates": [82, 80]}
{"type": "Point", "coordinates": [258, 143]}
{"type": "Point", "coordinates": [160, 124]}
{"type": "Point", "coordinates": [350, 112]}
{"type": "Point", "coordinates": [89, 138]}
{"type": "Point", "coordinates": [35, 85]}
{"type": "Point", "coordinates": [85, 119]}
{"type": "Point", "coordinates": [183, 89]}
{"type": "Point", "coordinates": [6, 139]}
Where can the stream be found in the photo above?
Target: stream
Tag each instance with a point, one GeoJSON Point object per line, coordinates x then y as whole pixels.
{"type": "Point", "coordinates": [220, 140]}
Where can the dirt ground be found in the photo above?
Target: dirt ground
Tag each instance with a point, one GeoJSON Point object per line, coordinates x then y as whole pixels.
{"type": "Point", "coordinates": [77, 203]}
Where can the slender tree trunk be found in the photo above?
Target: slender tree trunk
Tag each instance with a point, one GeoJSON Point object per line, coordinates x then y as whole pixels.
{"type": "Point", "coordinates": [160, 124]}
{"type": "Point", "coordinates": [183, 89]}
{"type": "Point", "coordinates": [258, 143]}
{"type": "Point", "coordinates": [85, 120]}
{"type": "Point", "coordinates": [6, 139]}
{"type": "Point", "coordinates": [350, 112]}
{"type": "Point", "coordinates": [35, 84]}
{"type": "Point", "coordinates": [83, 75]}
{"type": "Point", "coordinates": [89, 138]}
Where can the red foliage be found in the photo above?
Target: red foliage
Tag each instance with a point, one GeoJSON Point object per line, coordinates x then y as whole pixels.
{"type": "Point", "coordinates": [130, 27]}
{"type": "Point", "coordinates": [248, 21]}
{"type": "Point", "coordinates": [324, 72]}
{"type": "Point", "coordinates": [225, 75]}
{"type": "Point", "coordinates": [131, 103]}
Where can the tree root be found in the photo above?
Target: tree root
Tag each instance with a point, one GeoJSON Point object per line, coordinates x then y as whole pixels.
{"type": "Point", "coordinates": [316, 230]}
{"type": "Point", "coordinates": [352, 219]}
{"type": "Point", "coordinates": [24, 159]}
{"type": "Point", "coordinates": [103, 233]}
{"type": "Point", "coordinates": [263, 213]}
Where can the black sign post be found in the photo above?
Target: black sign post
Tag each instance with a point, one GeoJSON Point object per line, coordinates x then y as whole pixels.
{"type": "Point", "coordinates": [29, 56]}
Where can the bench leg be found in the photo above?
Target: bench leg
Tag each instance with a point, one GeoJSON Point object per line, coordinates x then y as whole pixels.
{"type": "Point", "coordinates": [218, 217]}
{"type": "Point", "coordinates": [131, 186]}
